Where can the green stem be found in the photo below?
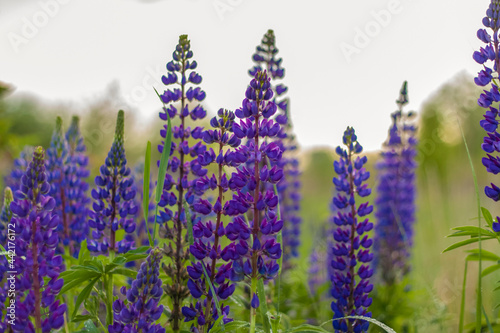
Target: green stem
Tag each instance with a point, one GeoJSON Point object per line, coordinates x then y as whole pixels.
{"type": "Point", "coordinates": [253, 312]}
{"type": "Point", "coordinates": [109, 297]}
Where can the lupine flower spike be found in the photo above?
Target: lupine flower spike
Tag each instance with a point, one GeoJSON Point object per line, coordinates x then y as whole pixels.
{"type": "Point", "coordinates": [140, 310]}
{"type": "Point", "coordinates": [56, 161]}
{"type": "Point", "coordinates": [113, 206]}
{"type": "Point", "coordinates": [266, 57]}
{"type": "Point", "coordinates": [489, 57]}
{"type": "Point", "coordinates": [186, 147]}
{"type": "Point", "coordinates": [350, 280]}
{"type": "Point", "coordinates": [76, 173]}
{"type": "Point", "coordinates": [395, 201]}
{"type": "Point", "coordinates": [36, 239]}
{"type": "Point", "coordinates": [208, 235]}
{"type": "Point", "coordinates": [5, 236]}
{"type": "Point", "coordinates": [253, 185]}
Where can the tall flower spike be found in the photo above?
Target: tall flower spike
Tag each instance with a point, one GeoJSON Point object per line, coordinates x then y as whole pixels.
{"type": "Point", "coordinates": [266, 57]}
{"type": "Point", "coordinates": [209, 235]}
{"type": "Point", "coordinates": [253, 186]}
{"type": "Point", "coordinates": [140, 309]}
{"type": "Point", "coordinates": [6, 234]}
{"type": "Point", "coordinates": [56, 160]}
{"type": "Point", "coordinates": [37, 280]}
{"type": "Point", "coordinates": [75, 174]}
{"type": "Point", "coordinates": [113, 206]}
{"type": "Point", "coordinates": [182, 102]}
{"type": "Point", "coordinates": [489, 57]}
{"type": "Point", "coordinates": [350, 280]}
{"type": "Point", "coordinates": [395, 203]}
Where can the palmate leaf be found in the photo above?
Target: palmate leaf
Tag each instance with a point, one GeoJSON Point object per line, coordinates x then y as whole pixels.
{"type": "Point", "coordinates": [263, 305]}
{"type": "Point", "coordinates": [487, 216]}
{"type": "Point", "coordinates": [369, 319]}
{"type": "Point", "coordinates": [485, 255]}
{"type": "Point", "coordinates": [89, 327]}
{"type": "Point", "coordinates": [490, 269]}
{"type": "Point", "coordinates": [230, 327]}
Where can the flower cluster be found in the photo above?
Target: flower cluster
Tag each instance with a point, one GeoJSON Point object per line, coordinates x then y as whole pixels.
{"type": "Point", "coordinates": [253, 186]}
{"type": "Point", "coordinates": [5, 218]}
{"type": "Point", "coordinates": [207, 234]}
{"type": "Point", "coordinates": [351, 284]}
{"type": "Point", "coordinates": [185, 149]}
{"type": "Point", "coordinates": [489, 57]}
{"type": "Point", "coordinates": [113, 206]}
{"type": "Point", "coordinates": [37, 282]}
{"type": "Point", "coordinates": [75, 174]}
{"type": "Point", "coordinates": [13, 180]}
{"type": "Point", "coordinates": [289, 186]}
{"type": "Point", "coordinates": [141, 310]}
{"type": "Point", "coordinates": [395, 201]}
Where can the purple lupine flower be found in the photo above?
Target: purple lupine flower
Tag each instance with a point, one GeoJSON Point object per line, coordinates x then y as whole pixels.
{"type": "Point", "coordinates": [113, 206]}
{"type": "Point", "coordinates": [350, 280]}
{"type": "Point", "coordinates": [253, 186]}
{"type": "Point", "coordinates": [183, 165]}
{"type": "Point", "coordinates": [208, 234]}
{"type": "Point", "coordinates": [13, 179]}
{"type": "Point", "coordinates": [395, 201]}
{"type": "Point", "coordinates": [5, 236]}
{"type": "Point", "coordinates": [37, 283]}
{"type": "Point", "coordinates": [289, 186]}
{"type": "Point", "coordinates": [75, 174]}
{"type": "Point", "coordinates": [489, 57]}
{"type": "Point", "coordinates": [57, 154]}
{"type": "Point", "coordinates": [141, 309]}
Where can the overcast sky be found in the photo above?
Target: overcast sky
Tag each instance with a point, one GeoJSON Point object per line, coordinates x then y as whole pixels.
{"type": "Point", "coordinates": [345, 60]}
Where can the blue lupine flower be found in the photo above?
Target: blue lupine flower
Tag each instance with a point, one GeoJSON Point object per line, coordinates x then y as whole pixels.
{"type": "Point", "coordinates": [253, 186]}
{"type": "Point", "coordinates": [75, 175]}
{"type": "Point", "coordinates": [265, 57]}
{"type": "Point", "coordinates": [351, 284]}
{"type": "Point", "coordinates": [185, 149]}
{"type": "Point", "coordinates": [208, 234]}
{"type": "Point", "coordinates": [5, 235]}
{"type": "Point", "coordinates": [489, 58]}
{"type": "Point", "coordinates": [113, 206]}
{"type": "Point", "coordinates": [13, 180]}
{"type": "Point", "coordinates": [141, 309]}
{"type": "Point", "coordinates": [395, 201]}
{"type": "Point", "coordinates": [37, 283]}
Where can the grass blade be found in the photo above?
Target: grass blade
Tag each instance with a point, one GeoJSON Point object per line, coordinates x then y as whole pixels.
{"type": "Point", "coordinates": [162, 171]}
{"type": "Point", "coordinates": [145, 190]}
{"type": "Point", "coordinates": [462, 302]}
{"type": "Point", "coordinates": [479, 301]}
{"type": "Point", "coordinates": [263, 305]}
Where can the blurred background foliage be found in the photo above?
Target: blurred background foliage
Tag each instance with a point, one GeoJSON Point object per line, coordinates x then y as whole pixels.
{"type": "Point", "coordinates": [429, 301]}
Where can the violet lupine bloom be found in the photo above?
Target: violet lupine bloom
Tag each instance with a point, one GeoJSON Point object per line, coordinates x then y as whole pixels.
{"type": "Point", "coordinates": [183, 165]}
{"type": "Point", "coordinates": [395, 201]}
{"type": "Point", "coordinates": [289, 186]}
{"type": "Point", "coordinates": [113, 206]}
{"type": "Point", "coordinates": [37, 283]}
{"type": "Point", "coordinates": [5, 236]}
{"type": "Point", "coordinates": [208, 234]}
{"type": "Point", "coordinates": [75, 174]}
{"type": "Point", "coordinates": [140, 310]}
{"type": "Point", "coordinates": [351, 284]}
{"type": "Point", "coordinates": [13, 180]}
{"type": "Point", "coordinates": [253, 186]}
{"type": "Point", "coordinates": [55, 163]}
{"type": "Point", "coordinates": [489, 57]}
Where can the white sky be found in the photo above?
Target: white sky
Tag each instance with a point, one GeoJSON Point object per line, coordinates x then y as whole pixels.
{"type": "Point", "coordinates": [85, 45]}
